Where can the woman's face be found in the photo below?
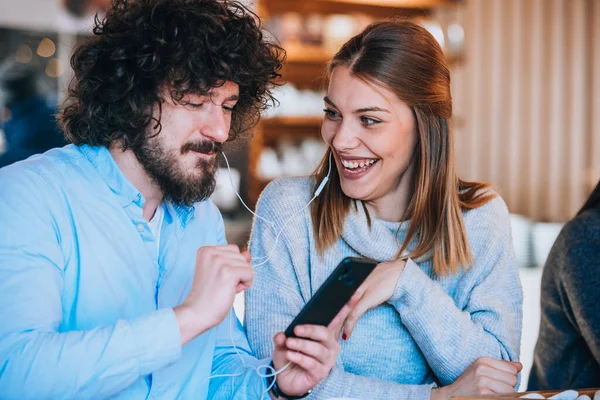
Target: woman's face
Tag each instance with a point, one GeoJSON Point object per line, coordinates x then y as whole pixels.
{"type": "Point", "coordinates": [373, 137]}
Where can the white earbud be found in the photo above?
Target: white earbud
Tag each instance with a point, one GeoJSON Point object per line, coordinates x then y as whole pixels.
{"type": "Point", "coordinates": [326, 179]}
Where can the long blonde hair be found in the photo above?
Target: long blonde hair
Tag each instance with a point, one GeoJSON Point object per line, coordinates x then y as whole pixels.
{"type": "Point", "coordinates": [405, 58]}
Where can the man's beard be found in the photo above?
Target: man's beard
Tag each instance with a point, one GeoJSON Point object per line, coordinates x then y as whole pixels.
{"type": "Point", "coordinates": [164, 168]}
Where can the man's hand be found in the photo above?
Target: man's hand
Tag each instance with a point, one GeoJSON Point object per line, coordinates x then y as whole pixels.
{"type": "Point", "coordinates": [486, 376]}
{"type": "Point", "coordinates": [312, 354]}
{"type": "Point", "coordinates": [221, 272]}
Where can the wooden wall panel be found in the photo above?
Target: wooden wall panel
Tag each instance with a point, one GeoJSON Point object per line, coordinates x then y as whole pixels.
{"type": "Point", "coordinates": [529, 102]}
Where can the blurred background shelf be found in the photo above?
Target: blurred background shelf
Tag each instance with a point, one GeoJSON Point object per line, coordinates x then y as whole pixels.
{"type": "Point", "coordinates": [378, 8]}
{"type": "Point", "coordinates": [293, 121]}
{"type": "Point", "coordinates": [306, 54]}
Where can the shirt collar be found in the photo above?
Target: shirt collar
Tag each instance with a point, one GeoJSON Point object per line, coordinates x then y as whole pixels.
{"type": "Point", "coordinates": [123, 189]}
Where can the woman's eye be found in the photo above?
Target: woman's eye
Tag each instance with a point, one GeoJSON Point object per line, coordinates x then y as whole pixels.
{"type": "Point", "coordinates": [368, 121]}
{"type": "Point", "coordinates": [330, 113]}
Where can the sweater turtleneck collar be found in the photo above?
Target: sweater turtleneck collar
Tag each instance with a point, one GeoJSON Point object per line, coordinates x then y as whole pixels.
{"type": "Point", "coordinates": [381, 241]}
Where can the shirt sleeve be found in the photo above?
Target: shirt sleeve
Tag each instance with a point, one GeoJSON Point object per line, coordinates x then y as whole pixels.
{"type": "Point", "coordinates": [38, 359]}
{"type": "Point", "coordinates": [234, 370]}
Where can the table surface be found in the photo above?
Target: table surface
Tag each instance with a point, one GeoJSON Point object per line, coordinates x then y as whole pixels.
{"type": "Point", "coordinates": [545, 393]}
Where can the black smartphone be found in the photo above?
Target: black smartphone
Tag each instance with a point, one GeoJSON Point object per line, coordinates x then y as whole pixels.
{"type": "Point", "coordinates": [334, 293]}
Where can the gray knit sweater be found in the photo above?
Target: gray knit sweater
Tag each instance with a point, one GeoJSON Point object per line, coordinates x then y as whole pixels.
{"type": "Point", "coordinates": [431, 329]}
{"type": "Point", "coordinates": [567, 353]}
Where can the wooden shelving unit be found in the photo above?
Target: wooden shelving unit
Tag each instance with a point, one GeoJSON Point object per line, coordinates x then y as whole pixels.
{"type": "Point", "coordinates": [380, 9]}
{"type": "Point", "coordinates": [292, 121]}
{"type": "Point", "coordinates": [305, 67]}
{"type": "Point", "coordinates": [267, 134]}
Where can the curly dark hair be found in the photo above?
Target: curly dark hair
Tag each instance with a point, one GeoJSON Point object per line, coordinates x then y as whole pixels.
{"type": "Point", "coordinates": [187, 46]}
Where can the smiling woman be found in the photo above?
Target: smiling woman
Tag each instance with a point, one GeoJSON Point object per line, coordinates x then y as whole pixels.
{"type": "Point", "coordinates": [444, 305]}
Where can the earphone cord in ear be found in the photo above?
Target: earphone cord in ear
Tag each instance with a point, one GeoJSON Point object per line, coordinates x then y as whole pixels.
{"type": "Point", "coordinates": [272, 226]}
{"type": "Point", "coordinates": [270, 223]}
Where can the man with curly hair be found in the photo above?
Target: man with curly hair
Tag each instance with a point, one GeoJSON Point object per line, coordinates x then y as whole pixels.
{"type": "Point", "coordinates": [115, 277]}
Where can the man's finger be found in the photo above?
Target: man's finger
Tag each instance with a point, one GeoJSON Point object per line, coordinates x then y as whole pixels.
{"type": "Point", "coordinates": [241, 287]}
{"type": "Point", "coordinates": [234, 262]}
{"type": "Point", "coordinates": [247, 256]}
{"type": "Point", "coordinates": [317, 333]}
{"type": "Point", "coordinates": [229, 248]}
{"type": "Point", "coordinates": [310, 365]}
{"type": "Point", "coordinates": [244, 275]}
{"type": "Point", "coordinates": [310, 348]}
{"type": "Point", "coordinates": [279, 340]}
{"type": "Point", "coordinates": [229, 257]}
{"type": "Point", "coordinates": [280, 351]}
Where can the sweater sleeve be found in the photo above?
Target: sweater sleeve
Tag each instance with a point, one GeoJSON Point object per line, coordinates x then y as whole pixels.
{"type": "Point", "coordinates": [581, 279]}
{"type": "Point", "coordinates": [281, 288]}
{"type": "Point", "coordinates": [489, 324]}
{"type": "Point", "coordinates": [567, 352]}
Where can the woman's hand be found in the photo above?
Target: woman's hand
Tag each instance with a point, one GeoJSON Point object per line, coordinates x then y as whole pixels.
{"type": "Point", "coordinates": [486, 376]}
{"type": "Point", "coordinates": [375, 290]}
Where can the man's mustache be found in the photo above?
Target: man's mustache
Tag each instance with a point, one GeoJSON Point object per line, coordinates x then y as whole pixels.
{"type": "Point", "coordinates": [207, 147]}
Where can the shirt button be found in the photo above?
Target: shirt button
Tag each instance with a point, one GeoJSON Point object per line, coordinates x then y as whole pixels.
{"type": "Point", "coordinates": [140, 227]}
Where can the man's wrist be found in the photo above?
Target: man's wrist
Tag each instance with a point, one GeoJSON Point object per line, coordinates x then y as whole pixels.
{"type": "Point", "coordinates": [272, 396]}
{"type": "Point", "coordinates": [276, 393]}
{"type": "Point", "coordinates": [191, 324]}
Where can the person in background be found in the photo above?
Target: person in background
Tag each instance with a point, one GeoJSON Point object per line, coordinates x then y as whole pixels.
{"type": "Point", "coordinates": [31, 127]}
{"type": "Point", "coordinates": [444, 306]}
{"type": "Point", "coordinates": [567, 352]}
{"type": "Point", "coordinates": [82, 8]}
{"type": "Point", "coordinates": [116, 280]}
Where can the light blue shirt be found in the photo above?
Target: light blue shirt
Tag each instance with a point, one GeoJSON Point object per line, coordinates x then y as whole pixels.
{"type": "Point", "coordinates": [86, 309]}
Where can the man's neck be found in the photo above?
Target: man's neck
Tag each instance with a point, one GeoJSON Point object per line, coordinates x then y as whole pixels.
{"type": "Point", "coordinates": [135, 173]}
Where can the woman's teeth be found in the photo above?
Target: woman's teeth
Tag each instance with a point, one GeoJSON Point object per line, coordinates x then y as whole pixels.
{"type": "Point", "coordinates": [358, 166]}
